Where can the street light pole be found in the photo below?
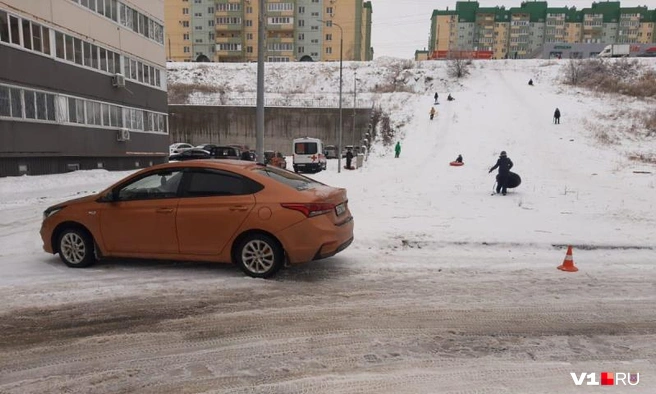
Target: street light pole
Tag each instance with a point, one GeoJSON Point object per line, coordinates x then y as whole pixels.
{"type": "Point", "coordinates": [355, 100]}
{"type": "Point", "coordinates": [341, 43]}
{"type": "Point", "coordinates": [259, 111]}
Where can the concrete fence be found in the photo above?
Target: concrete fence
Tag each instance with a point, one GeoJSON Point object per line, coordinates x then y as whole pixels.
{"type": "Point", "coordinates": [200, 124]}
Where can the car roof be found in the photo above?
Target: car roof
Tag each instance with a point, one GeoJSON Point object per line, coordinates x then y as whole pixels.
{"type": "Point", "coordinates": [214, 163]}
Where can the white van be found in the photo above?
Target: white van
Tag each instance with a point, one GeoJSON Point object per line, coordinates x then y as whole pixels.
{"type": "Point", "coordinates": [308, 155]}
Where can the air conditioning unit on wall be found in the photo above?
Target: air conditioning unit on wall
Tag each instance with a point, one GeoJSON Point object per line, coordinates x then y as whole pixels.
{"type": "Point", "coordinates": [123, 135]}
{"type": "Point", "coordinates": [118, 81]}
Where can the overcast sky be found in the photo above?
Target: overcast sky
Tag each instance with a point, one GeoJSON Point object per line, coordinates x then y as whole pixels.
{"type": "Point", "coordinates": [402, 26]}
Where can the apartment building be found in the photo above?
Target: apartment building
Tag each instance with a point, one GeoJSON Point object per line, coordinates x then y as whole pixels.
{"type": "Point", "coordinates": [296, 30]}
{"type": "Point", "coordinates": [522, 32]}
{"type": "Point", "coordinates": [82, 85]}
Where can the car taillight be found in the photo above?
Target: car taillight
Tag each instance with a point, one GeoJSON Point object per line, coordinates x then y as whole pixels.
{"type": "Point", "coordinates": [311, 210]}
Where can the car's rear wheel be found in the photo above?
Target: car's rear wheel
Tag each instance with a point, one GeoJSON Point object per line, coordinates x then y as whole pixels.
{"type": "Point", "coordinates": [260, 256]}
{"type": "Point", "coordinates": [76, 248]}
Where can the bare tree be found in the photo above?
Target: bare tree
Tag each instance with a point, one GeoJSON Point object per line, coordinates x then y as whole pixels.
{"type": "Point", "coordinates": [458, 66]}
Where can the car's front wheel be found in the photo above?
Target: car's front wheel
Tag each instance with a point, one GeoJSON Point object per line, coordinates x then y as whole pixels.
{"type": "Point", "coordinates": [260, 256]}
{"type": "Point", "coordinates": [76, 248]}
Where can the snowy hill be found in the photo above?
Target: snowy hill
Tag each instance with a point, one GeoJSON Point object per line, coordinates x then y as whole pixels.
{"type": "Point", "coordinates": [577, 187]}
{"type": "Point", "coordinates": [446, 287]}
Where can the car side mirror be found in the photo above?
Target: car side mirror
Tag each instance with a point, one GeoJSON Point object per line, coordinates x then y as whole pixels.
{"type": "Point", "coordinates": [110, 196]}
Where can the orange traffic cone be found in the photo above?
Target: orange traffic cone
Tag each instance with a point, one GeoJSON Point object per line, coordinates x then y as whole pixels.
{"type": "Point", "coordinates": [568, 264]}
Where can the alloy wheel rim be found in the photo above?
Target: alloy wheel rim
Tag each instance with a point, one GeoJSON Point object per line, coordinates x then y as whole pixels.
{"type": "Point", "coordinates": [72, 246]}
{"type": "Point", "coordinates": [258, 256]}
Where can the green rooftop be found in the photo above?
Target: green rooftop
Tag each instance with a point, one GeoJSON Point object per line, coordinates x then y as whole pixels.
{"type": "Point", "coordinates": [610, 10]}
{"type": "Point", "coordinates": [467, 11]}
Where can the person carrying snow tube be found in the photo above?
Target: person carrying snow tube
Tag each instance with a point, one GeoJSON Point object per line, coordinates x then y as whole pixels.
{"type": "Point", "coordinates": [504, 164]}
{"type": "Point", "coordinates": [432, 113]}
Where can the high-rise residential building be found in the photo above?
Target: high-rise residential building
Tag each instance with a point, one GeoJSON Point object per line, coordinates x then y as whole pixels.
{"type": "Point", "coordinates": [522, 32]}
{"type": "Point", "coordinates": [82, 85]}
{"type": "Point", "coordinates": [296, 30]}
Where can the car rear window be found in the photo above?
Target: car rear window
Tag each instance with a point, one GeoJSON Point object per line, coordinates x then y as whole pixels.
{"type": "Point", "coordinates": [305, 148]}
{"type": "Point", "coordinates": [288, 178]}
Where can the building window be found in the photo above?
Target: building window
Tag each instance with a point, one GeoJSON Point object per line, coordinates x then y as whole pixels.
{"type": "Point", "coordinates": [314, 28]}
{"type": "Point", "coordinates": [198, 14]}
{"type": "Point", "coordinates": [249, 23]}
{"type": "Point", "coordinates": [185, 23]}
{"type": "Point", "coordinates": [228, 21]}
{"type": "Point", "coordinates": [329, 37]}
{"type": "Point", "coordinates": [249, 10]}
{"type": "Point", "coordinates": [185, 11]}
{"type": "Point", "coordinates": [301, 49]}
{"type": "Point", "coordinates": [329, 50]}
{"type": "Point", "coordinates": [280, 20]}
{"type": "Point", "coordinates": [222, 7]}
{"type": "Point", "coordinates": [210, 36]}
{"type": "Point", "coordinates": [301, 36]}
{"type": "Point", "coordinates": [210, 23]}
{"type": "Point", "coordinates": [249, 49]}
{"type": "Point", "coordinates": [329, 10]}
{"type": "Point", "coordinates": [210, 10]}
{"type": "Point", "coordinates": [186, 49]}
{"type": "Point", "coordinates": [301, 23]}
{"type": "Point", "coordinates": [185, 36]}
{"type": "Point", "coordinates": [229, 47]}
{"type": "Point", "coordinates": [249, 36]}
{"type": "Point", "coordinates": [315, 14]}
{"type": "Point", "coordinates": [280, 7]}
{"type": "Point", "coordinates": [301, 10]}
{"type": "Point", "coordinates": [198, 27]}
{"type": "Point", "coordinates": [329, 23]}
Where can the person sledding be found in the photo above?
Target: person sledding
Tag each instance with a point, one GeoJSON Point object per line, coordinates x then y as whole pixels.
{"type": "Point", "coordinates": [450, 98]}
{"type": "Point", "coordinates": [432, 113]}
{"type": "Point", "coordinates": [504, 164]}
{"type": "Point", "coordinates": [459, 159]}
{"type": "Point", "coordinates": [530, 82]}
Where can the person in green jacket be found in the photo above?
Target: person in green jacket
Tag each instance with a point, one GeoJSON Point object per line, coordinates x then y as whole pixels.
{"type": "Point", "coordinates": [397, 149]}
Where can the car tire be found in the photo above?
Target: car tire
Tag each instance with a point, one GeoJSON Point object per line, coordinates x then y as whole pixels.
{"type": "Point", "coordinates": [76, 248]}
{"type": "Point", "coordinates": [259, 256]}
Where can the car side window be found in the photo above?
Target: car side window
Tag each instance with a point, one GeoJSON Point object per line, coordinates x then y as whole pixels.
{"type": "Point", "coordinates": [162, 184]}
{"type": "Point", "coordinates": [212, 183]}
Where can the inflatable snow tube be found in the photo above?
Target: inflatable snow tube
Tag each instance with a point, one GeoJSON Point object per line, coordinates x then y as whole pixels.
{"type": "Point", "coordinates": [456, 164]}
{"type": "Point", "coordinates": [513, 180]}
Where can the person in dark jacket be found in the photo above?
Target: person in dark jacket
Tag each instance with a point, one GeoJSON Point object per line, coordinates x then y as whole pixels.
{"type": "Point", "coordinates": [450, 98]}
{"type": "Point", "coordinates": [349, 158]}
{"type": "Point", "coordinates": [504, 164]}
{"type": "Point", "coordinates": [435, 97]}
{"type": "Point", "coordinates": [459, 159]}
{"type": "Point", "coordinates": [530, 82]}
{"type": "Point", "coordinates": [557, 116]}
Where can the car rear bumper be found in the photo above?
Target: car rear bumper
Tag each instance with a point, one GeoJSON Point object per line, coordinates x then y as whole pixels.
{"type": "Point", "coordinates": [308, 166]}
{"type": "Point", "coordinates": [316, 238]}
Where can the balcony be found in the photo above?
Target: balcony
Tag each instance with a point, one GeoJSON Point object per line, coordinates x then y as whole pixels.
{"type": "Point", "coordinates": [230, 27]}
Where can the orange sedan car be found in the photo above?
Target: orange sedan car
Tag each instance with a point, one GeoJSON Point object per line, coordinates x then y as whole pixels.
{"type": "Point", "coordinates": [255, 216]}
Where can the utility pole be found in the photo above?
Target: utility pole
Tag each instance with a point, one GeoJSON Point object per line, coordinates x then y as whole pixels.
{"type": "Point", "coordinates": [355, 100]}
{"type": "Point", "coordinates": [259, 112]}
{"type": "Point", "coordinates": [341, 44]}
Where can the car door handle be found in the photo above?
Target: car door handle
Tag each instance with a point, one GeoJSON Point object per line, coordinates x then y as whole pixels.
{"type": "Point", "coordinates": [164, 210]}
{"type": "Point", "coordinates": [239, 208]}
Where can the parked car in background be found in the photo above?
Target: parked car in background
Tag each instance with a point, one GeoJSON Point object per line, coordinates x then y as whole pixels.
{"type": "Point", "coordinates": [330, 152]}
{"type": "Point", "coordinates": [207, 147]}
{"type": "Point", "coordinates": [275, 159]}
{"type": "Point", "coordinates": [191, 154]}
{"type": "Point", "coordinates": [225, 152]}
{"type": "Point", "coordinates": [308, 155]}
{"type": "Point", "coordinates": [254, 216]}
{"type": "Point", "coordinates": [178, 147]}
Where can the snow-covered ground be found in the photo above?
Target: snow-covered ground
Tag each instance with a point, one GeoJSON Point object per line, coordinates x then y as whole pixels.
{"type": "Point", "coordinates": [446, 288]}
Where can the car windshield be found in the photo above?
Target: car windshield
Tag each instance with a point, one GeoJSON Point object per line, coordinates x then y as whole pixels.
{"type": "Point", "coordinates": [289, 178]}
